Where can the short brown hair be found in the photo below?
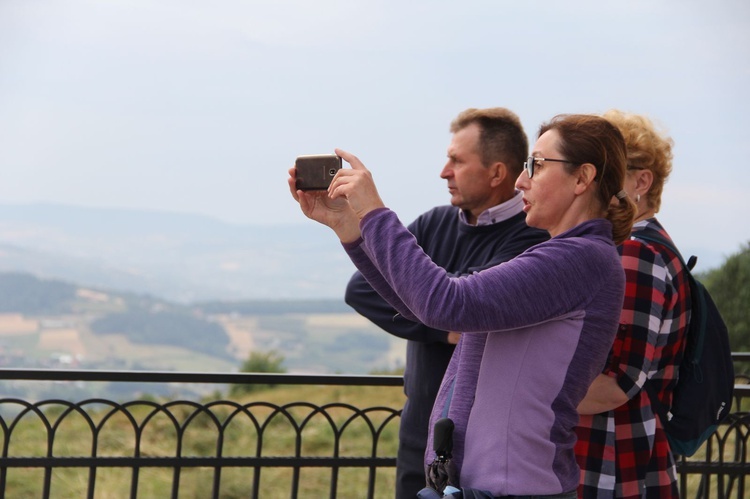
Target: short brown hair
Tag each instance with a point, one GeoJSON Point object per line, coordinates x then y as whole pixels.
{"type": "Point", "coordinates": [586, 138]}
{"type": "Point", "coordinates": [647, 149]}
{"type": "Point", "coordinates": [501, 138]}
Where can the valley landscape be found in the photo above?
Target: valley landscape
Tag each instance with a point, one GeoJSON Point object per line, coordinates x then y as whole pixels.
{"type": "Point", "coordinates": [122, 291]}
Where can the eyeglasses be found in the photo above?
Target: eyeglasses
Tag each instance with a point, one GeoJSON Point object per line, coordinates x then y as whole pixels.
{"type": "Point", "coordinates": [532, 162]}
{"type": "Point", "coordinates": [636, 167]}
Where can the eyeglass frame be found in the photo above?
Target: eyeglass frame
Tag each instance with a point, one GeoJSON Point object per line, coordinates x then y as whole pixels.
{"type": "Point", "coordinates": [528, 165]}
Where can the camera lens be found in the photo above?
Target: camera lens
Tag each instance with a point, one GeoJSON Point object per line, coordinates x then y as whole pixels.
{"type": "Point", "coordinates": [332, 172]}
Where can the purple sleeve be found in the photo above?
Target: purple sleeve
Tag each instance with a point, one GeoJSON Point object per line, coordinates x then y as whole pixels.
{"type": "Point", "coordinates": [365, 266]}
{"type": "Point", "coordinates": [548, 281]}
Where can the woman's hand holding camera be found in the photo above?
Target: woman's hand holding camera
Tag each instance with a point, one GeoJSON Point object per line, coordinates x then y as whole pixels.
{"type": "Point", "coordinates": [356, 185]}
{"type": "Point", "coordinates": [351, 195]}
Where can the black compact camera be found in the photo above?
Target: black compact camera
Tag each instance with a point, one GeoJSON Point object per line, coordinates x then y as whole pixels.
{"type": "Point", "coordinates": [315, 171]}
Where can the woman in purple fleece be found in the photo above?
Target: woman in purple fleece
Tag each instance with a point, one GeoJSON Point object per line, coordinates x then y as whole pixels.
{"type": "Point", "coordinates": [538, 328]}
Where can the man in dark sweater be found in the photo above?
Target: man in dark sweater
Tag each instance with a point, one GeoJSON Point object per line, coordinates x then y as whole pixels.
{"type": "Point", "coordinates": [484, 226]}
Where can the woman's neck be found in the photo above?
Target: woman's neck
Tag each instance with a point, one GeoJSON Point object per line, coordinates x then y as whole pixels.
{"type": "Point", "coordinates": [643, 215]}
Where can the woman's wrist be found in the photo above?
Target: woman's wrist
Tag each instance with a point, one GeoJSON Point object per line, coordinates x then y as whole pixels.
{"type": "Point", "coordinates": [348, 230]}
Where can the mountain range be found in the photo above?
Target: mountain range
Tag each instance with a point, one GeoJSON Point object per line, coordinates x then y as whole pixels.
{"type": "Point", "coordinates": [179, 257]}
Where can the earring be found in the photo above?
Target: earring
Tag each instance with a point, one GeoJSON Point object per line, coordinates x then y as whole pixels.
{"type": "Point", "coordinates": [637, 198]}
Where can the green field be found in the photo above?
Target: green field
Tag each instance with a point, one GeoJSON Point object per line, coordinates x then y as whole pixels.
{"type": "Point", "coordinates": [159, 438]}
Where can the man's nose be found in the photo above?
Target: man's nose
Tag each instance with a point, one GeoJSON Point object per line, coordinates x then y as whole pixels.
{"type": "Point", "coordinates": [447, 171]}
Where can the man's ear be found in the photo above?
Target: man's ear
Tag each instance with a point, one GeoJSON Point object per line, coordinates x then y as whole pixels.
{"type": "Point", "coordinates": [498, 173]}
{"type": "Point", "coordinates": [585, 176]}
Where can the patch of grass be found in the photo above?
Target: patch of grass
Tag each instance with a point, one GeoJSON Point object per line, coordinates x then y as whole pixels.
{"type": "Point", "coordinates": [115, 435]}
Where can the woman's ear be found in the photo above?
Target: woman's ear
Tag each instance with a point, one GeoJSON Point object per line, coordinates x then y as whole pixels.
{"type": "Point", "coordinates": [585, 176]}
{"type": "Point", "coordinates": [643, 181]}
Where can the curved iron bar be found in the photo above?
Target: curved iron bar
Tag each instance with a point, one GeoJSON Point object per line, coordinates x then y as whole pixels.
{"type": "Point", "coordinates": [199, 409]}
{"type": "Point", "coordinates": [115, 409]}
{"type": "Point", "coordinates": [244, 409]}
{"type": "Point", "coordinates": [339, 431]}
{"type": "Point", "coordinates": [78, 409]}
{"type": "Point", "coordinates": [283, 410]}
{"type": "Point", "coordinates": [298, 440]}
{"type": "Point", "coordinates": [36, 409]}
{"type": "Point", "coordinates": [724, 458]}
{"type": "Point", "coordinates": [376, 433]}
{"type": "Point", "coordinates": [138, 433]}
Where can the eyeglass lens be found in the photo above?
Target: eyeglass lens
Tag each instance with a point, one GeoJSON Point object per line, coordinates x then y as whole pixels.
{"type": "Point", "coordinates": [530, 166]}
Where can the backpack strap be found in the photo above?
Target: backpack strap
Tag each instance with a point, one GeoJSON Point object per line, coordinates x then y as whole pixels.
{"type": "Point", "coordinates": [654, 236]}
{"type": "Point", "coordinates": [697, 290]}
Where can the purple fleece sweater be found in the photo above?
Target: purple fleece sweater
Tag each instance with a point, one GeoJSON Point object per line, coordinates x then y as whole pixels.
{"type": "Point", "coordinates": [539, 330]}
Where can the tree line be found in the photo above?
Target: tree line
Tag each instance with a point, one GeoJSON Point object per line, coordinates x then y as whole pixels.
{"type": "Point", "coordinates": [729, 286]}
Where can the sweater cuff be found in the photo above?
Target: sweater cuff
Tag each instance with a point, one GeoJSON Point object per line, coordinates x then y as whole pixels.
{"type": "Point", "coordinates": [370, 215]}
{"type": "Point", "coordinates": [353, 244]}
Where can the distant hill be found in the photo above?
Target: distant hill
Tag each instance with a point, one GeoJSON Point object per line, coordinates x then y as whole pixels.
{"type": "Point", "coordinates": [140, 319]}
{"type": "Point", "coordinates": [274, 307]}
{"type": "Point", "coordinates": [28, 295]}
{"type": "Point", "coordinates": [53, 323]}
{"type": "Point", "coordinates": [178, 257]}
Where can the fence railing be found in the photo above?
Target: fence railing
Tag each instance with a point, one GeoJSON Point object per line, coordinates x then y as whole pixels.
{"type": "Point", "coordinates": [224, 449]}
{"type": "Point", "coordinates": [183, 448]}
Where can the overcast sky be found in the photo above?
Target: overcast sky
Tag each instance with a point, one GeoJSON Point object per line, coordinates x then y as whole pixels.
{"type": "Point", "coordinates": [201, 106]}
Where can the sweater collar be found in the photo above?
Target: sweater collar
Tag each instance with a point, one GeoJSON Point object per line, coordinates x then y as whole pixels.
{"type": "Point", "coordinates": [597, 227]}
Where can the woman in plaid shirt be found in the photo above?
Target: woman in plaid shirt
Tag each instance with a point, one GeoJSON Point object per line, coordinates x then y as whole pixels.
{"type": "Point", "coordinates": [622, 448]}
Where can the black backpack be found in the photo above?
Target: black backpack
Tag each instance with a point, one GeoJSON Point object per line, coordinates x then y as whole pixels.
{"type": "Point", "coordinates": [703, 394]}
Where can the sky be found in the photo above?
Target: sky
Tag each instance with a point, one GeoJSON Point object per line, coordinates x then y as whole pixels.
{"type": "Point", "coordinates": [201, 106]}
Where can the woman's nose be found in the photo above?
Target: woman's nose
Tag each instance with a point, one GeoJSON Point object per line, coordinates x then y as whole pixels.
{"type": "Point", "coordinates": [522, 182]}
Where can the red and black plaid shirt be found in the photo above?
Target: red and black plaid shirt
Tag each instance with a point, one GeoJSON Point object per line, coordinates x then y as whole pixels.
{"type": "Point", "coordinates": [624, 452]}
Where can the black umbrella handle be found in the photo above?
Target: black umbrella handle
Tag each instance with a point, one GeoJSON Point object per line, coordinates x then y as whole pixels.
{"type": "Point", "coordinates": [443, 438]}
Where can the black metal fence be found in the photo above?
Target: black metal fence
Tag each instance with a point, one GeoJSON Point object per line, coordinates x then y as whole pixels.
{"type": "Point", "coordinates": [183, 448]}
{"type": "Point", "coordinates": [224, 449]}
